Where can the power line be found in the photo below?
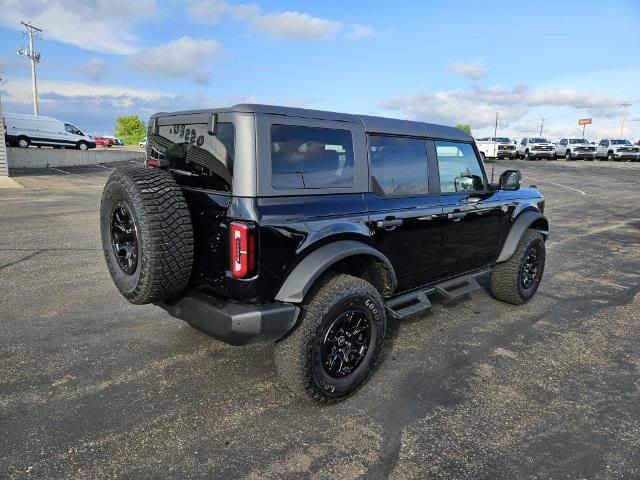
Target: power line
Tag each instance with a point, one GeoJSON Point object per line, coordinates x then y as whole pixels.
{"type": "Point", "coordinates": [34, 57]}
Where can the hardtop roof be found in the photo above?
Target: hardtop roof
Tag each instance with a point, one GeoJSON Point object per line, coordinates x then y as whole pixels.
{"type": "Point", "coordinates": [371, 124]}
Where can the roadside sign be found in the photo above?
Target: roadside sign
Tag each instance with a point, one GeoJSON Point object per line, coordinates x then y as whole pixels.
{"type": "Point", "coordinates": [584, 121]}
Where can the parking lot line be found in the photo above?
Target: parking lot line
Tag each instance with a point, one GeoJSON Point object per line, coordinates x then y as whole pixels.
{"type": "Point", "coordinates": [62, 171]}
{"type": "Point", "coordinates": [558, 185]}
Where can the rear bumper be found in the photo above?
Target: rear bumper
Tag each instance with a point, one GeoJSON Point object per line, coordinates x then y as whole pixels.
{"type": "Point", "coordinates": [233, 322]}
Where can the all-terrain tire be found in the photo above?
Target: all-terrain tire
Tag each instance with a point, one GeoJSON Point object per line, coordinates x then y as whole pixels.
{"type": "Point", "coordinates": [506, 277]}
{"type": "Point", "coordinates": [298, 356]}
{"type": "Point", "coordinates": [162, 223]}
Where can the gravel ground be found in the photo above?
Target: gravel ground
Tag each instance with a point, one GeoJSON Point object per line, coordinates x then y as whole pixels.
{"type": "Point", "coordinates": [92, 387]}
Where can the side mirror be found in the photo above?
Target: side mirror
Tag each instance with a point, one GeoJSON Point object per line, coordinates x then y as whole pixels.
{"type": "Point", "coordinates": [510, 180]}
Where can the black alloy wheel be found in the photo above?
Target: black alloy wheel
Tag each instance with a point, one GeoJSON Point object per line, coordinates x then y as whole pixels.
{"type": "Point", "coordinates": [530, 268]}
{"type": "Point", "coordinates": [345, 343]}
{"type": "Point", "coordinates": [124, 238]}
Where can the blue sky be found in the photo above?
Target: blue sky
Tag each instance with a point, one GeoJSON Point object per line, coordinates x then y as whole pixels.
{"type": "Point", "coordinates": [439, 61]}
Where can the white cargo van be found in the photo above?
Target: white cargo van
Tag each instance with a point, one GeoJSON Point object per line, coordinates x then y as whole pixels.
{"type": "Point", "coordinates": [25, 130]}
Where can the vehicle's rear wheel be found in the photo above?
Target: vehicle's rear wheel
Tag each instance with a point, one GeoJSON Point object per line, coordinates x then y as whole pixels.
{"type": "Point", "coordinates": [517, 280]}
{"type": "Point", "coordinates": [483, 156]}
{"type": "Point", "coordinates": [23, 142]}
{"type": "Point", "coordinates": [338, 340]}
{"type": "Point", "coordinates": [147, 236]}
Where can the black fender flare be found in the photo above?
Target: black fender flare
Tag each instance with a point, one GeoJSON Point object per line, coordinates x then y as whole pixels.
{"type": "Point", "coordinates": [304, 275]}
{"type": "Point", "coordinates": [520, 225]}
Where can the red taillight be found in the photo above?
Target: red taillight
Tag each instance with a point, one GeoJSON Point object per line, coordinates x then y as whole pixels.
{"type": "Point", "coordinates": [242, 247]}
{"type": "Point", "coordinates": [152, 162]}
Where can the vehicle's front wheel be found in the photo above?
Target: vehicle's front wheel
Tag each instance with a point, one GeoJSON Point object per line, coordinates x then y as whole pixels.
{"type": "Point", "coordinates": [567, 156]}
{"type": "Point", "coordinates": [610, 157]}
{"type": "Point", "coordinates": [338, 340]}
{"type": "Point", "coordinates": [527, 156]}
{"type": "Point", "coordinates": [517, 280]}
{"type": "Point", "coordinates": [23, 142]}
{"type": "Point", "coordinates": [83, 146]}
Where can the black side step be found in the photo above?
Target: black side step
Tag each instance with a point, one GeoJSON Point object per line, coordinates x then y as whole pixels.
{"type": "Point", "coordinates": [417, 302]}
{"type": "Point", "coordinates": [457, 287]}
{"type": "Point", "coordinates": [408, 304]}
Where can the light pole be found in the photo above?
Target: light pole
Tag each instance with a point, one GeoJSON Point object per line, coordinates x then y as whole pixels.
{"type": "Point", "coordinates": [34, 56]}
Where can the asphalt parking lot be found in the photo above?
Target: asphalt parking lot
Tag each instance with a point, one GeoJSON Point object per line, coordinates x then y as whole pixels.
{"type": "Point", "coordinates": [92, 387]}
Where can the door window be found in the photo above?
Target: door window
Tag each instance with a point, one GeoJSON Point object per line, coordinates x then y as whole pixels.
{"type": "Point", "coordinates": [399, 165]}
{"type": "Point", "coordinates": [311, 157]}
{"type": "Point", "coordinates": [459, 167]}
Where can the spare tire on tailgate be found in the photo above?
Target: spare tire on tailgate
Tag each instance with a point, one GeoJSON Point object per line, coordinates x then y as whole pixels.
{"type": "Point", "coordinates": [147, 236]}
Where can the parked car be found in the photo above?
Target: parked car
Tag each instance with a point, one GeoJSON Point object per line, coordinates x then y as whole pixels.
{"type": "Point", "coordinates": [617, 149]}
{"type": "Point", "coordinates": [575, 148]}
{"type": "Point", "coordinates": [312, 228]}
{"type": "Point", "coordinates": [535, 147]}
{"type": "Point", "coordinates": [104, 141]}
{"type": "Point", "coordinates": [24, 130]}
{"type": "Point", "coordinates": [496, 147]}
{"type": "Point", "coordinates": [143, 143]}
{"type": "Point", "coordinates": [116, 141]}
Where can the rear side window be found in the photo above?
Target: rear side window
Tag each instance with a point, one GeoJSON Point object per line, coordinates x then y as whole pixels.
{"type": "Point", "coordinates": [459, 167]}
{"type": "Point", "coordinates": [311, 157]}
{"type": "Point", "coordinates": [399, 165]}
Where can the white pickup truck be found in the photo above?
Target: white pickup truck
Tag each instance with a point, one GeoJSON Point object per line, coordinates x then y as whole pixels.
{"type": "Point", "coordinates": [617, 149]}
{"type": "Point", "coordinates": [496, 147]}
{"type": "Point", "coordinates": [535, 147]}
{"type": "Point", "coordinates": [574, 148]}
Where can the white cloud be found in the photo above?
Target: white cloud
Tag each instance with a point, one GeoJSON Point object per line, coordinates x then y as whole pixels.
{"type": "Point", "coordinates": [295, 25]}
{"type": "Point", "coordinates": [184, 57]}
{"type": "Point", "coordinates": [94, 68]}
{"type": "Point", "coordinates": [95, 107]}
{"type": "Point", "coordinates": [474, 70]}
{"type": "Point", "coordinates": [89, 24]}
{"type": "Point", "coordinates": [478, 105]}
{"type": "Point", "coordinates": [358, 32]}
{"type": "Point", "coordinates": [290, 25]}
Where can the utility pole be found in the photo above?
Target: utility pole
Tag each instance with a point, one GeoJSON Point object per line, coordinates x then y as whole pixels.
{"type": "Point", "coordinates": [34, 56]}
{"type": "Point", "coordinates": [624, 115]}
{"type": "Point", "coordinates": [541, 125]}
{"type": "Point", "coordinates": [495, 131]}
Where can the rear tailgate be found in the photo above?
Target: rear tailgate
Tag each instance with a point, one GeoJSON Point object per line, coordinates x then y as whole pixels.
{"type": "Point", "coordinates": [202, 164]}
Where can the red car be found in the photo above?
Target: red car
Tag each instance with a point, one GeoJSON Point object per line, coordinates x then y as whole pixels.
{"type": "Point", "coordinates": [105, 142]}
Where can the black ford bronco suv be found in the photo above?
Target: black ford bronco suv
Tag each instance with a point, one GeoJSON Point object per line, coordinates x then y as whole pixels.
{"type": "Point", "coordinates": [312, 229]}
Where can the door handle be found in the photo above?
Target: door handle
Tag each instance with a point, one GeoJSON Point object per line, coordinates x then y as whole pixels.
{"type": "Point", "coordinates": [389, 223]}
{"type": "Point", "coordinates": [456, 216]}
{"type": "Point", "coordinates": [473, 199]}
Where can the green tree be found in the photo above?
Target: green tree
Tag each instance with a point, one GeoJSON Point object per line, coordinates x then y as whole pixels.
{"type": "Point", "coordinates": [130, 129]}
{"type": "Point", "coordinates": [464, 127]}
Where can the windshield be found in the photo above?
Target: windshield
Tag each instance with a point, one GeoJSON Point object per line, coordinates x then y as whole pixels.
{"type": "Point", "coordinates": [621, 142]}
{"type": "Point", "coordinates": [501, 140]}
{"type": "Point", "coordinates": [578, 140]}
{"type": "Point", "coordinates": [538, 140]}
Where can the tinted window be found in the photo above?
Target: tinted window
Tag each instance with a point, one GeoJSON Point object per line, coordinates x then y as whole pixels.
{"type": "Point", "coordinates": [399, 165]}
{"type": "Point", "coordinates": [310, 157]}
{"type": "Point", "coordinates": [459, 168]}
{"type": "Point", "coordinates": [190, 148]}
